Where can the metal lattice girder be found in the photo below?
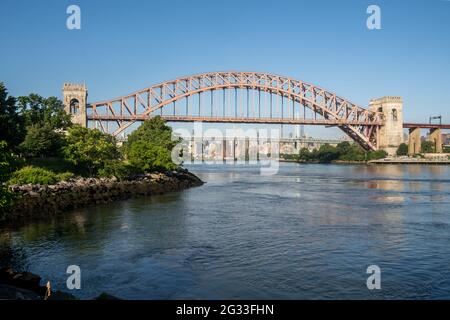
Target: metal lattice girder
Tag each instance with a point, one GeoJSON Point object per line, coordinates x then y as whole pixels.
{"type": "Point", "coordinates": [359, 123]}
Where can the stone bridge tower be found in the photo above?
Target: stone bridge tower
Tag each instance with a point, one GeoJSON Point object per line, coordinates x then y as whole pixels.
{"type": "Point", "coordinates": [75, 100]}
{"type": "Point", "coordinates": [391, 133]}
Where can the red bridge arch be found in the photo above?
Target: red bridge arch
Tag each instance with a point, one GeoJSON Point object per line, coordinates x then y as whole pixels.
{"type": "Point", "coordinates": [361, 124]}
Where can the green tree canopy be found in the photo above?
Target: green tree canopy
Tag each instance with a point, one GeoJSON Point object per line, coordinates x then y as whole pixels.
{"type": "Point", "coordinates": [11, 123]}
{"type": "Point", "coordinates": [376, 155]}
{"type": "Point", "coordinates": [345, 151]}
{"type": "Point", "coordinates": [5, 167]}
{"type": "Point", "coordinates": [304, 154]}
{"type": "Point", "coordinates": [4, 161]}
{"type": "Point", "coordinates": [344, 147]}
{"type": "Point", "coordinates": [350, 152]}
{"type": "Point", "coordinates": [37, 110]}
{"type": "Point", "coordinates": [149, 147]}
{"type": "Point", "coordinates": [148, 156]}
{"type": "Point", "coordinates": [402, 149]}
{"type": "Point", "coordinates": [327, 153]}
{"type": "Point", "coordinates": [154, 130]}
{"type": "Point", "coordinates": [89, 148]}
{"type": "Point", "coordinates": [42, 140]}
{"type": "Point", "coordinates": [428, 147]}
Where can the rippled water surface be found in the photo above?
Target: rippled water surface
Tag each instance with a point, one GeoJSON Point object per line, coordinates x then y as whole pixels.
{"type": "Point", "coordinates": [310, 231]}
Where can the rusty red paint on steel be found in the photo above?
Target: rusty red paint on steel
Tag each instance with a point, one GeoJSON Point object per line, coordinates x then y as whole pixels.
{"type": "Point", "coordinates": [320, 122]}
{"type": "Point", "coordinates": [359, 123]}
{"type": "Point", "coordinates": [426, 125]}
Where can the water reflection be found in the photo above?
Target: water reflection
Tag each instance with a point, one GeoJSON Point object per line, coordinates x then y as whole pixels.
{"type": "Point", "coordinates": [308, 232]}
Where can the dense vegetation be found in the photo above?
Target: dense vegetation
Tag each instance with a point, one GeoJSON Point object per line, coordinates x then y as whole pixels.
{"type": "Point", "coordinates": [351, 152]}
{"type": "Point", "coordinates": [36, 175]}
{"type": "Point", "coordinates": [402, 149]}
{"type": "Point", "coordinates": [40, 145]}
{"type": "Point", "coordinates": [428, 147]}
{"type": "Point", "coordinates": [344, 151]}
{"type": "Point", "coordinates": [5, 195]}
{"type": "Point", "coordinates": [150, 146]}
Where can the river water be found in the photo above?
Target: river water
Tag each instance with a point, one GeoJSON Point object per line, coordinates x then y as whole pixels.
{"type": "Point", "coordinates": [309, 231]}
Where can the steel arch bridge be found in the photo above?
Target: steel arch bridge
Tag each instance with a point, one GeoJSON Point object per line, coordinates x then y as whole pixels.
{"type": "Point", "coordinates": [238, 97]}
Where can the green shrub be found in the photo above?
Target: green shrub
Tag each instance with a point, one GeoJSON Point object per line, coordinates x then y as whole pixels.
{"type": "Point", "coordinates": [304, 154]}
{"type": "Point", "coordinates": [428, 147]}
{"type": "Point", "coordinates": [375, 155]}
{"type": "Point", "coordinates": [33, 175]}
{"type": "Point", "coordinates": [402, 149]}
{"type": "Point", "coordinates": [89, 149]}
{"type": "Point", "coordinates": [289, 156]}
{"type": "Point", "coordinates": [116, 168]}
{"type": "Point", "coordinates": [327, 153]}
{"type": "Point", "coordinates": [65, 176]}
{"type": "Point", "coordinates": [57, 165]}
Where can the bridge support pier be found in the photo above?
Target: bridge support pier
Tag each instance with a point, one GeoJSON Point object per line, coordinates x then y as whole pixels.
{"type": "Point", "coordinates": [203, 150]}
{"type": "Point", "coordinates": [75, 100]}
{"type": "Point", "coordinates": [390, 134]}
{"type": "Point", "coordinates": [192, 148]}
{"type": "Point", "coordinates": [414, 143]}
{"type": "Point", "coordinates": [224, 150]}
{"type": "Point", "coordinates": [247, 151]}
{"type": "Point", "coordinates": [435, 136]}
{"type": "Point", "coordinates": [234, 149]}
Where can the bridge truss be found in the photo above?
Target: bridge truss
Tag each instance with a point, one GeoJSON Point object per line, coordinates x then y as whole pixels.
{"type": "Point", "coordinates": [238, 97]}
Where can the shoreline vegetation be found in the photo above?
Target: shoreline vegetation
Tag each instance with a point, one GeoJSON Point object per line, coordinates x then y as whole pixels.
{"type": "Point", "coordinates": [344, 152]}
{"type": "Point", "coordinates": [42, 152]}
{"type": "Point", "coordinates": [350, 153]}
{"type": "Point", "coordinates": [35, 201]}
{"type": "Point", "coordinates": [49, 165]}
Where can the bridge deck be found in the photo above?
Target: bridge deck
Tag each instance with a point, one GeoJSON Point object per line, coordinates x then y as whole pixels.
{"type": "Point", "coordinates": [426, 125]}
{"type": "Point", "coordinates": [262, 120]}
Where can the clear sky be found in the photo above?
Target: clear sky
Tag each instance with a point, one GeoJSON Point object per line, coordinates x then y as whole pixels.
{"type": "Point", "coordinates": [128, 45]}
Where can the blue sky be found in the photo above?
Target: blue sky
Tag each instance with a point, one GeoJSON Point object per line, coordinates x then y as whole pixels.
{"type": "Point", "coordinates": [128, 45]}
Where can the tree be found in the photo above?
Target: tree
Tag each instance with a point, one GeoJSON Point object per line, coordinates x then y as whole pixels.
{"type": "Point", "coordinates": [89, 148]}
{"type": "Point", "coordinates": [402, 149]}
{"type": "Point", "coordinates": [327, 153]}
{"type": "Point", "coordinates": [156, 131]}
{"type": "Point", "coordinates": [147, 156]}
{"type": "Point", "coordinates": [344, 147]}
{"type": "Point", "coordinates": [428, 147]}
{"type": "Point", "coordinates": [375, 155]}
{"type": "Point", "coordinates": [44, 119]}
{"type": "Point", "coordinates": [11, 123]}
{"type": "Point", "coordinates": [150, 146]}
{"type": "Point", "coordinates": [350, 152]}
{"type": "Point", "coordinates": [37, 110]}
{"type": "Point", "coordinates": [5, 194]}
{"type": "Point", "coordinates": [304, 154]}
{"type": "Point", "coordinates": [42, 141]}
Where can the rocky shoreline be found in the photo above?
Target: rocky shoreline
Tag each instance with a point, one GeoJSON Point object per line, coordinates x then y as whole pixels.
{"type": "Point", "coordinates": [27, 286]}
{"type": "Point", "coordinates": [37, 201]}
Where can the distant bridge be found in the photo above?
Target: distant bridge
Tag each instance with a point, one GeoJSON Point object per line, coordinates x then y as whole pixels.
{"type": "Point", "coordinates": [242, 97]}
